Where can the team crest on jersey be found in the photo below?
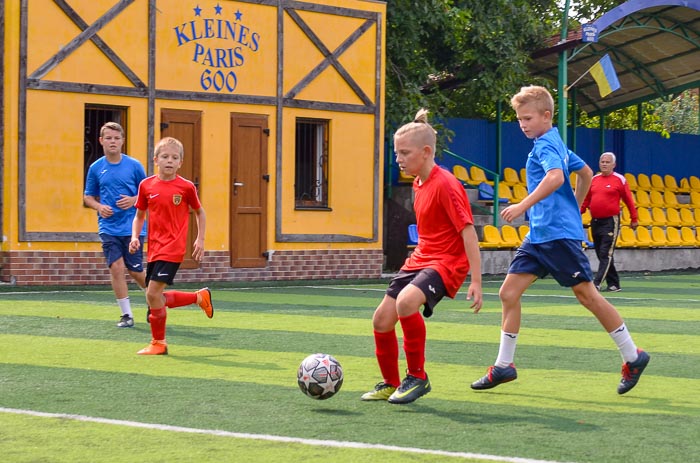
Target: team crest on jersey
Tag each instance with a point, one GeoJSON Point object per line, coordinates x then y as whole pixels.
{"type": "Point", "coordinates": [177, 199]}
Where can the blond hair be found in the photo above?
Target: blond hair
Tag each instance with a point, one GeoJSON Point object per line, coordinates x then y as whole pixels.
{"type": "Point", "coordinates": [170, 141]}
{"type": "Point", "coordinates": [538, 97]}
{"type": "Point", "coordinates": [111, 126]}
{"type": "Point", "coordinates": [420, 130]}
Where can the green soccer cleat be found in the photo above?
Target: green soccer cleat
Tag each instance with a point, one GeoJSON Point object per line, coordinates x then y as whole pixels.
{"type": "Point", "coordinates": [381, 391]}
{"type": "Point", "coordinates": [411, 388]}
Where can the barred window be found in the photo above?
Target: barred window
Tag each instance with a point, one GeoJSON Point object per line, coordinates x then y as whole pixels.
{"type": "Point", "coordinates": [311, 164]}
{"type": "Point", "coordinates": [95, 117]}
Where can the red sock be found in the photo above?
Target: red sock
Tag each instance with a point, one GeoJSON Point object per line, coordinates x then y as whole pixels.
{"type": "Point", "coordinates": [413, 328]}
{"type": "Point", "coordinates": [179, 298]}
{"type": "Point", "coordinates": [158, 317]}
{"type": "Point", "coordinates": [387, 351]}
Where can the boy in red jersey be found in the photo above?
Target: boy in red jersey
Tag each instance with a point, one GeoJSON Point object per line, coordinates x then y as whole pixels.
{"type": "Point", "coordinates": [447, 247]}
{"type": "Point", "coordinates": [168, 198]}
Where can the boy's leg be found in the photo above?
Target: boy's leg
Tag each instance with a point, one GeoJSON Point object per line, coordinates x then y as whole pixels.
{"type": "Point", "coordinates": [510, 294]}
{"type": "Point", "coordinates": [416, 383]}
{"type": "Point", "coordinates": [635, 360]}
{"type": "Point", "coordinates": [201, 297]}
{"type": "Point", "coordinates": [157, 318]}
{"type": "Point", "coordinates": [386, 349]}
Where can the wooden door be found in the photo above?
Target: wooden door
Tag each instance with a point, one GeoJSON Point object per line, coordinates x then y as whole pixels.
{"type": "Point", "coordinates": [249, 183]}
{"type": "Point", "coordinates": [186, 126]}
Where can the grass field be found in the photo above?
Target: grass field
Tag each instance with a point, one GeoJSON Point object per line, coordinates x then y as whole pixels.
{"type": "Point", "coordinates": [73, 390]}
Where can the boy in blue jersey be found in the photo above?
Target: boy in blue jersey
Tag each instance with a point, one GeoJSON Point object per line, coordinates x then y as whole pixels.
{"type": "Point", "coordinates": [111, 187]}
{"type": "Point", "coordinates": [553, 245]}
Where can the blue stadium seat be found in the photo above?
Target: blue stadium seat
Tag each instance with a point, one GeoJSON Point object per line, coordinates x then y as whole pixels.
{"type": "Point", "coordinates": [486, 193]}
{"type": "Point", "coordinates": [412, 234]}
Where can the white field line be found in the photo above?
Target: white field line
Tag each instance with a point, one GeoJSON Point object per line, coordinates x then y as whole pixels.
{"type": "Point", "coordinates": [271, 438]}
{"type": "Point", "coordinates": [355, 288]}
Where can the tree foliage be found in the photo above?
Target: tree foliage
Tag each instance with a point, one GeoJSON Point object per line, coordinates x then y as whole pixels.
{"type": "Point", "coordinates": [458, 58]}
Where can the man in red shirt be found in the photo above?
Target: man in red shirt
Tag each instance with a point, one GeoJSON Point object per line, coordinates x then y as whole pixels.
{"type": "Point", "coordinates": [448, 248]}
{"type": "Point", "coordinates": [603, 199]}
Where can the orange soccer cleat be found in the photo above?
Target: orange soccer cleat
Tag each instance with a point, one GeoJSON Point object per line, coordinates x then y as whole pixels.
{"type": "Point", "coordinates": [156, 347]}
{"type": "Point", "coordinates": [204, 301]}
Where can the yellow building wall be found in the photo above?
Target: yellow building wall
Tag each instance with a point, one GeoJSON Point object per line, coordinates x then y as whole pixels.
{"type": "Point", "coordinates": [55, 120]}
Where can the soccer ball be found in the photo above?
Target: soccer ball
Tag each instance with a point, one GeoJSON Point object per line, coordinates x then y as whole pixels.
{"type": "Point", "coordinates": [320, 376]}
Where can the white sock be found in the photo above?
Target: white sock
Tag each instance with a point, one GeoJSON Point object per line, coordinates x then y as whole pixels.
{"type": "Point", "coordinates": [506, 351]}
{"type": "Point", "coordinates": [627, 347]}
{"type": "Point", "coordinates": [125, 306]}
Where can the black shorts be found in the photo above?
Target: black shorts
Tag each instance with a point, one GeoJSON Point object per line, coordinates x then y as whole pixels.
{"type": "Point", "coordinates": [427, 280]}
{"type": "Point", "coordinates": [162, 271]}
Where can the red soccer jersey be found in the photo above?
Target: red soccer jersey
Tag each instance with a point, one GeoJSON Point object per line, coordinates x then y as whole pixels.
{"type": "Point", "coordinates": [168, 204]}
{"type": "Point", "coordinates": [442, 212]}
{"type": "Point", "coordinates": [603, 199]}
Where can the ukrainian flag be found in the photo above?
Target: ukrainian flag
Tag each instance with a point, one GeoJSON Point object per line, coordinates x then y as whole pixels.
{"type": "Point", "coordinates": [605, 76]}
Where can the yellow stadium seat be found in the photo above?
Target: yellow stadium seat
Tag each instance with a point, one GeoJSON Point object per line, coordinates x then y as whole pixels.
{"type": "Point", "coordinates": [671, 201]}
{"type": "Point", "coordinates": [657, 182]}
{"type": "Point", "coordinates": [673, 237]}
{"type": "Point", "coordinates": [656, 199]}
{"type": "Point", "coordinates": [688, 237]}
{"type": "Point", "coordinates": [510, 177]}
{"type": "Point", "coordinates": [696, 214]}
{"type": "Point", "coordinates": [504, 192]}
{"type": "Point", "coordinates": [625, 217]}
{"type": "Point", "coordinates": [644, 216]}
{"type": "Point", "coordinates": [644, 182]}
{"type": "Point", "coordinates": [519, 193]}
{"type": "Point", "coordinates": [695, 199]}
{"type": "Point", "coordinates": [658, 237]}
{"type": "Point", "coordinates": [694, 183]}
{"type": "Point", "coordinates": [687, 219]}
{"type": "Point", "coordinates": [684, 185]}
{"type": "Point", "coordinates": [461, 173]}
{"type": "Point", "coordinates": [627, 238]}
{"type": "Point", "coordinates": [673, 217]}
{"type": "Point", "coordinates": [478, 175]}
{"type": "Point", "coordinates": [572, 180]}
{"type": "Point", "coordinates": [523, 177]}
{"type": "Point", "coordinates": [644, 238]}
{"type": "Point", "coordinates": [523, 230]}
{"type": "Point", "coordinates": [586, 217]}
{"type": "Point", "coordinates": [658, 217]}
{"type": "Point", "coordinates": [631, 181]}
{"type": "Point", "coordinates": [510, 235]}
{"type": "Point", "coordinates": [671, 184]}
{"type": "Point", "coordinates": [642, 199]}
{"type": "Point", "coordinates": [492, 238]}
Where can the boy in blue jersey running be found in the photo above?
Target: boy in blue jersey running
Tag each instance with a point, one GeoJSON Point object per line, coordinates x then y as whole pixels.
{"type": "Point", "coordinates": [111, 187]}
{"type": "Point", "coordinates": [553, 245]}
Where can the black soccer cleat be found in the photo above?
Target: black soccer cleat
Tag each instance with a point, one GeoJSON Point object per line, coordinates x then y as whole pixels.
{"type": "Point", "coordinates": [495, 376]}
{"type": "Point", "coordinates": [411, 388]}
{"type": "Point", "coordinates": [631, 371]}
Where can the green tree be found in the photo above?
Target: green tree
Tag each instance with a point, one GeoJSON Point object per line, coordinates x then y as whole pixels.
{"type": "Point", "coordinates": [458, 58]}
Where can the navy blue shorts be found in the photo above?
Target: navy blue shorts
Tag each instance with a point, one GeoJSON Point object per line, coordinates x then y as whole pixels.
{"type": "Point", "coordinates": [563, 259]}
{"type": "Point", "coordinates": [162, 271]}
{"type": "Point", "coordinates": [115, 247]}
{"type": "Point", "coordinates": [427, 280]}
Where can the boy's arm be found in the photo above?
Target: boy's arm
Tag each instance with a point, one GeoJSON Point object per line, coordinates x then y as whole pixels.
{"type": "Point", "coordinates": [584, 176]}
{"type": "Point", "coordinates": [198, 250]}
{"type": "Point", "coordinates": [553, 179]}
{"type": "Point", "coordinates": [471, 247]}
{"type": "Point", "coordinates": [136, 227]}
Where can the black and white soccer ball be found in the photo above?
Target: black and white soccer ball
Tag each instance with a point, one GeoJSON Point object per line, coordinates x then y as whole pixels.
{"type": "Point", "coordinates": [320, 376]}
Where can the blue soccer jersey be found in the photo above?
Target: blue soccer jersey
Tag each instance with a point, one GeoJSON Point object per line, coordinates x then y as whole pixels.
{"type": "Point", "coordinates": [557, 216]}
{"type": "Point", "coordinates": [109, 182]}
